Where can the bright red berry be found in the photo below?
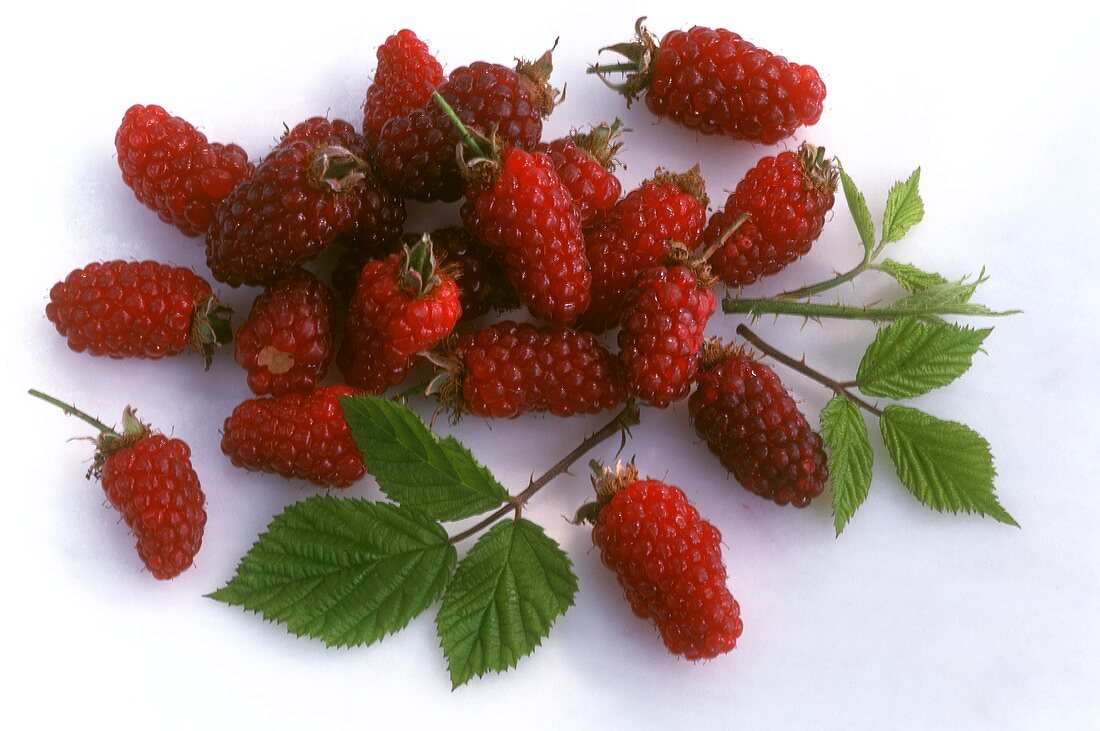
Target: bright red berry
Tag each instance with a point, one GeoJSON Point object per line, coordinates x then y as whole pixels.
{"type": "Point", "coordinates": [286, 343]}
{"type": "Point", "coordinates": [303, 196]}
{"type": "Point", "coordinates": [174, 170]}
{"type": "Point", "coordinates": [416, 152]}
{"type": "Point", "coordinates": [148, 478]}
{"type": "Point", "coordinates": [585, 164]}
{"type": "Point", "coordinates": [403, 305]}
{"type": "Point", "coordinates": [508, 369]}
{"type": "Point", "coordinates": [138, 309]}
{"type": "Point", "coordinates": [751, 423]}
{"type": "Point", "coordinates": [786, 197]}
{"type": "Point", "coordinates": [302, 435]}
{"type": "Point", "coordinates": [661, 333]}
{"type": "Point", "coordinates": [525, 212]}
{"type": "Point", "coordinates": [638, 234]}
{"type": "Point", "coordinates": [406, 75]}
{"type": "Point", "coordinates": [668, 561]}
{"type": "Point", "coordinates": [713, 81]}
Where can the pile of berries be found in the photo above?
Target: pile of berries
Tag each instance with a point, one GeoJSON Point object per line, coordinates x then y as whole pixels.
{"type": "Point", "coordinates": [609, 292]}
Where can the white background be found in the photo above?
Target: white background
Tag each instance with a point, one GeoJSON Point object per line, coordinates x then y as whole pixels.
{"type": "Point", "coordinates": [911, 619]}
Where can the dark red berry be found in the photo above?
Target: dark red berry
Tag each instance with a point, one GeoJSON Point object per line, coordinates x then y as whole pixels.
{"type": "Point", "coordinates": [302, 435]}
{"type": "Point", "coordinates": [286, 343]}
{"type": "Point", "coordinates": [751, 423]}
{"type": "Point", "coordinates": [508, 369]}
{"type": "Point", "coordinates": [138, 309]}
{"type": "Point", "coordinates": [406, 75]}
{"type": "Point", "coordinates": [786, 197]}
{"type": "Point", "coordinates": [174, 170]}
{"type": "Point", "coordinates": [638, 234]}
{"type": "Point", "coordinates": [713, 81]}
{"type": "Point", "coordinates": [668, 561]}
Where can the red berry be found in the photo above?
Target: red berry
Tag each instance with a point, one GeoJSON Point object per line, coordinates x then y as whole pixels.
{"type": "Point", "coordinates": [406, 75]}
{"type": "Point", "coordinates": [300, 435]}
{"type": "Point", "coordinates": [749, 420]}
{"type": "Point", "coordinates": [148, 478]}
{"type": "Point", "coordinates": [661, 335]}
{"type": "Point", "coordinates": [306, 193]}
{"type": "Point", "coordinates": [585, 164]}
{"type": "Point", "coordinates": [416, 152]}
{"type": "Point", "coordinates": [174, 170]}
{"type": "Point", "coordinates": [381, 212]}
{"type": "Point", "coordinates": [787, 197]}
{"type": "Point", "coordinates": [286, 343]}
{"type": "Point", "coordinates": [713, 81]}
{"type": "Point", "coordinates": [638, 234]}
{"type": "Point", "coordinates": [668, 561]}
{"type": "Point", "coordinates": [403, 305]}
{"type": "Point", "coordinates": [525, 212]}
{"type": "Point", "coordinates": [508, 369]}
{"type": "Point", "coordinates": [138, 309]}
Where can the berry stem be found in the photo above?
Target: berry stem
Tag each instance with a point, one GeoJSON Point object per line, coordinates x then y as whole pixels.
{"type": "Point", "coordinates": [813, 310]}
{"type": "Point", "coordinates": [612, 68]}
{"type": "Point", "coordinates": [709, 252]}
{"type": "Point", "coordinates": [628, 417]}
{"type": "Point", "coordinates": [840, 388]}
{"type": "Point", "coordinates": [73, 411]}
{"type": "Point", "coordinates": [824, 286]}
{"type": "Point", "coordinates": [467, 137]}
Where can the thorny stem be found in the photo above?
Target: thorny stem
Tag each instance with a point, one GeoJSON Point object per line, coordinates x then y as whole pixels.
{"type": "Point", "coordinates": [812, 289]}
{"type": "Point", "coordinates": [840, 388]}
{"type": "Point", "coordinates": [73, 411]}
{"type": "Point", "coordinates": [467, 138]}
{"type": "Point", "coordinates": [628, 417]}
{"type": "Point", "coordinates": [412, 391]}
{"type": "Point", "coordinates": [814, 310]}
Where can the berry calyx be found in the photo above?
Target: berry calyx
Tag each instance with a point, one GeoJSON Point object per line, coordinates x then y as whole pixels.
{"type": "Point", "coordinates": [535, 75]}
{"type": "Point", "coordinates": [640, 55]}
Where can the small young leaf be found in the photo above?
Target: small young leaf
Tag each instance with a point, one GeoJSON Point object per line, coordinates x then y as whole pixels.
{"type": "Point", "coordinates": [857, 205]}
{"type": "Point", "coordinates": [414, 466]}
{"type": "Point", "coordinates": [946, 465]}
{"type": "Point", "coordinates": [850, 457]}
{"type": "Point", "coordinates": [345, 571]}
{"type": "Point", "coordinates": [506, 594]}
{"type": "Point", "coordinates": [910, 277]}
{"type": "Point", "coordinates": [910, 357]}
{"type": "Point", "coordinates": [904, 209]}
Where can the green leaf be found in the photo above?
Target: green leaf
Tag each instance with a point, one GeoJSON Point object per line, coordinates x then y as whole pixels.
{"type": "Point", "coordinates": [946, 465]}
{"type": "Point", "coordinates": [910, 357]}
{"type": "Point", "coordinates": [857, 205]}
{"type": "Point", "coordinates": [414, 466]}
{"type": "Point", "coordinates": [910, 277]}
{"type": "Point", "coordinates": [850, 457]}
{"type": "Point", "coordinates": [506, 594]}
{"type": "Point", "coordinates": [904, 209]}
{"type": "Point", "coordinates": [345, 571]}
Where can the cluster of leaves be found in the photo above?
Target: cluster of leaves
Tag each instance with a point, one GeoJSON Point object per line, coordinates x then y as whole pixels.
{"type": "Point", "coordinates": [350, 571]}
{"type": "Point", "coordinates": [944, 464]}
